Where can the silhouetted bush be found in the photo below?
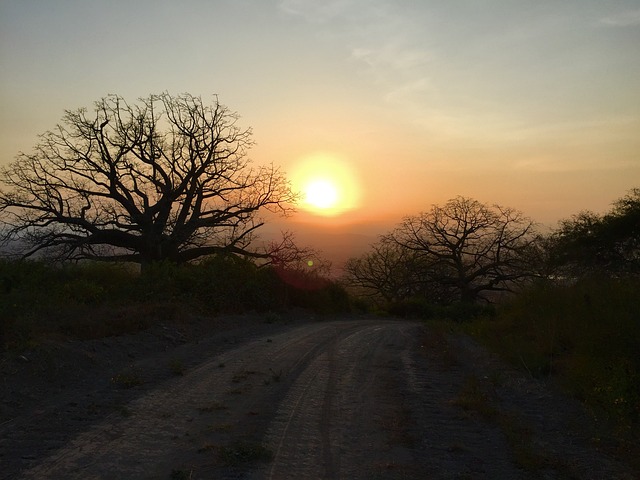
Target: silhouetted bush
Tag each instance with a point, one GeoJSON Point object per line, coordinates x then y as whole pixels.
{"type": "Point", "coordinates": [422, 308]}
{"type": "Point", "coordinates": [416, 307]}
{"type": "Point", "coordinates": [589, 244]}
{"type": "Point", "coordinates": [91, 300]}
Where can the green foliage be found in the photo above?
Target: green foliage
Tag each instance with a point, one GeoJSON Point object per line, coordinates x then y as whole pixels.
{"type": "Point", "coordinates": [93, 300]}
{"type": "Point", "coordinates": [415, 307]}
{"type": "Point", "coordinates": [181, 474]}
{"type": "Point", "coordinates": [243, 453]}
{"type": "Point", "coordinates": [587, 335]}
{"type": "Point", "coordinates": [127, 379]}
{"type": "Point", "coordinates": [424, 309]}
{"type": "Point", "coordinates": [589, 244]}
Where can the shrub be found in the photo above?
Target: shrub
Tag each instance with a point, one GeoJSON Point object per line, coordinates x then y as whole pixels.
{"type": "Point", "coordinates": [91, 300]}
{"type": "Point", "coordinates": [412, 308]}
{"type": "Point", "coordinates": [587, 335]}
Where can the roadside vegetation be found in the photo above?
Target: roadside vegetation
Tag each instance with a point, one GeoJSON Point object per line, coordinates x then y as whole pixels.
{"type": "Point", "coordinates": [580, 322]}
{"type": "Point", "coordinates": [41, 301]}
{"type": "Point", "coordinates": [585, 337]}
{"type": "Point", "coordinates": [566, 308]}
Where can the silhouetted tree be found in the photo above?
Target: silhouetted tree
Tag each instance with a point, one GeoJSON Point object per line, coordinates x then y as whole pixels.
{"type": "Point", "coordinates": [469, 248]}
{"type": "Point", "coordinates": [167, 178]}
{"type": "Point", "coordinates": [592, 244]}
{"type": "Point", "coordinates": [388, 272]}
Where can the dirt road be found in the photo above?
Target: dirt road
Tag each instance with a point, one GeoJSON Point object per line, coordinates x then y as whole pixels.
{"type": "Point", "coordinates": [351, 399]}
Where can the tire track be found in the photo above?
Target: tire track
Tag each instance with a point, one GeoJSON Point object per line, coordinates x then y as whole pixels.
{"type": "Point", "coordinates": [357, 399]}
{"type": "Point", "coordinates": [326, 425]}
{"type": "Point", "coordinates": [163, 428]}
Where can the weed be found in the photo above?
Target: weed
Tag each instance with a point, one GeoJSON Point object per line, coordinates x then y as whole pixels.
{"type": "Point", "coordinates": [519, 437]}
{"type": "Point", "coordinates": [242, 375]}
{"type": "Point", "coordinates": [276, 377]}
{"type": "Point", "coordinates": [242, 453]}
{"type": "Point", "coordinates": [223, 427]}
{"type": "Point", "coordinates": [181, 474]}
{"type": "Point", "coordinates": [212, 407]}
{"type": "Point", "coordinates": [122, 410]}
{"type": "Point", "coordinates": [272, 317]}
{"type": "Point", "coordinates": [435, 343]}
{"type": "Point", "coordinates": [208, 447]}
{"type": "Point", "coordinates": [177, 367]}
{"type": "Point", "coordinates": [474, 398]}
{"type": "Point", "coordinates": [127, 379]}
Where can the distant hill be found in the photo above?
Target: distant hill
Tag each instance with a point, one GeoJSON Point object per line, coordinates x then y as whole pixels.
{"type": "Point", "coordinates": [335, 243]}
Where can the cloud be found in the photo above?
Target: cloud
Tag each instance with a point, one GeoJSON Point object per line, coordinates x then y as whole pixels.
{"type": "Point", "coordinates": [377, 36]}
{"type": "Point", "coordinates": [392, 56]}
{"type": "Point", "coordinates": [623, 19]}
{"type": "Point", "coordinates": [314, 11]}
{"type": "Point", "coordinates": [406, 93]}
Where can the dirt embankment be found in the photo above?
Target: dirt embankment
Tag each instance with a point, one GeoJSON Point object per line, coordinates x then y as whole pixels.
{"type": "Point", "coordinates": [340, 398]}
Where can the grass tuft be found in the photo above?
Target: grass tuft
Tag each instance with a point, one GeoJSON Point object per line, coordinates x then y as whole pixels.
{"type": "Point", "coordinates": [128, 379]}
{"type": "Point", "coordinates": [177, 367]}
{"type": "Point", "coordinates": [474, 398]}
{"type": "Point", "coordinates": [242, 453]}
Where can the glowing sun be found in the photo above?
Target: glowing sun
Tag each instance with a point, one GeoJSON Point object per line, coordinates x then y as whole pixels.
{"type": "Point", "coordinates": [321, 193]}
{"type": "Point", "coordinates": [327, 185]}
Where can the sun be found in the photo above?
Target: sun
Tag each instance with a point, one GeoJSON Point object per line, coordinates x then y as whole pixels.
{"type": "Point", "coordinates": [321, 193]}
{"type": "Point", "coordinates": [327, 185]}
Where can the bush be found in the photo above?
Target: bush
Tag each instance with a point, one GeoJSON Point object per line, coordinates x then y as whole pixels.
{"type": "Point", "coordinates": [90, 300]}
{"type": "Point", "coordinates": [412, 308]}
{"type": "Point", "coordinates": [587, 335]}
{"type": "Point", "coordinates": [421, 308]}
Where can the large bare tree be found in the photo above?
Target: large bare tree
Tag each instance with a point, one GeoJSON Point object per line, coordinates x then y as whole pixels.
{"type": "Point", "coordinates": [469, 247]}
{"type": "Point", "coordinates": [167, 178]}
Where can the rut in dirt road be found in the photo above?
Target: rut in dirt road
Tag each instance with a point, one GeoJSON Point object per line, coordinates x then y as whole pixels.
{"type": "Point", "coordinates": [358, 411]}
{"type": "Point", "coordinates": [351, 399]}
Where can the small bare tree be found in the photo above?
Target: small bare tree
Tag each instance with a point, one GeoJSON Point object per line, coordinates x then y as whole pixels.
{"type": "Point", "coordinates": [387, 271]}
{"type": "Point", "coordinates": [167, 178]}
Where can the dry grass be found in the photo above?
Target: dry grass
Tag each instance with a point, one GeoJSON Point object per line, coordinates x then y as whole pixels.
{"type": "Point", "coordinates": [239, 453]}
{"type": "Point", "coordinates": [587, 337]}
{"type": "Point", "coordinates": [212, 407]}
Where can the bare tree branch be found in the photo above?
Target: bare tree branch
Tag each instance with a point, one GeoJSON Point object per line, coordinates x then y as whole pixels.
{"type": "Point", "coordinates": [167, 178]}
{"type": "Point", "coordinates": [458, 251]}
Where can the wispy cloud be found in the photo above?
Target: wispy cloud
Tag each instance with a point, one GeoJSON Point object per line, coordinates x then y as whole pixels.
{"type": "Point", "coordinates": [390, 56]}
{"type": "Point", "coordinates": [623, 19]}
{"type": "Point", "coordinates": [375, 35]}
{"type": "Point", "coordinates": [315, 11]}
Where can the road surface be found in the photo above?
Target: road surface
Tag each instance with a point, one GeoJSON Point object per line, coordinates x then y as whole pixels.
{"type": "Point", "coordinates": [350, 399]}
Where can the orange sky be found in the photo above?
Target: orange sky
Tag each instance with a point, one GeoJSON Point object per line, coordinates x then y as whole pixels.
{"type": "Point", "coordinates": [533, 105]}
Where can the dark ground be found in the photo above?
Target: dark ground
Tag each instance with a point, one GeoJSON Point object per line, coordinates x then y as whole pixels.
{"type": "Point", "coordinates": [299, 397]}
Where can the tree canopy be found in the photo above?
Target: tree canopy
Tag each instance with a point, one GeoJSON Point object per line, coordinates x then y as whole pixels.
{"type": "Point", "coordinates": [592, 244]}
{"type": "Point", "coordinates": [167, 178]}
{"type": "Point", "coordinates": [460, 251]}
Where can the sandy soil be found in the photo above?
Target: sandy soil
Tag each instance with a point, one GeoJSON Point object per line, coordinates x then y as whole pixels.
{"type": "Point", "coordinates": [299, 398]}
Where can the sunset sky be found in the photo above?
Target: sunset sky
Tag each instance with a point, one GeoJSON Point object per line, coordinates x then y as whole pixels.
{"type": "Point", "coordinates": [534, 105]}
